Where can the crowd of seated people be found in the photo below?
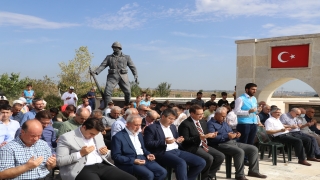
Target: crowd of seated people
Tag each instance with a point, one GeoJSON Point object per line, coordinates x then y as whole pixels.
{"type": "Point", "coordinates": [144, 138]}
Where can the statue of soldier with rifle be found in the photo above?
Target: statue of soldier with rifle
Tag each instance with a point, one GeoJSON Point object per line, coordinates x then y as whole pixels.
{"type": "Point", "coordinates": [117, 73]}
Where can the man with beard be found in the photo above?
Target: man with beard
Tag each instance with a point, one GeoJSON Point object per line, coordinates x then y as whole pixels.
{"type": "Point", "coordinates": [245, 109]}
{"type": "Point", "coordinates": [117, 73]}
{"type": "Point", "coordinates": [37, 106]}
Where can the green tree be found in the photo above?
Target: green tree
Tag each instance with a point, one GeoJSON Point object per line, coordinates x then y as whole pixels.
{"type": "Point", "coordinates": [44, 87]}
{"type": "Point", "coordinates": [135, 89]}
{"type": "Point", "coordinates": [163, 90]}
{"type": "Point", "coordinates": [12, 86]}
{"type": "Point", "coordinates": [75, 72]}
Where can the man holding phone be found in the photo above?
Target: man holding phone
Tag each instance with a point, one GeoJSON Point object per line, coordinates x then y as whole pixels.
{"type": "Point", "coordinates": [225, 141]}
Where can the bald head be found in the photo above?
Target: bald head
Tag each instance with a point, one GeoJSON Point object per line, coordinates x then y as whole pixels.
{"type": "Point", "coordinates": [31, 132]}
{"type": "Point", "coordinates": [82, 115]}
{"type": "Point", "coordinates": [303, 111]}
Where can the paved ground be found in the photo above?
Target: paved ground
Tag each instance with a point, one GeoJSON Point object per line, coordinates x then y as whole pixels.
{"type": "Point", "coordinates": [283, 171]}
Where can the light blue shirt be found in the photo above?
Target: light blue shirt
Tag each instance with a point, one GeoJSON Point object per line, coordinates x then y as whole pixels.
{"type": "Point", "coordinates": [118, 126]}
{"type": "Point", "coordinates": [4, 134]}
{"type": "Point", "coordinates": [12, 128]}
{"type": "Point", "coordinates": [27, 116]}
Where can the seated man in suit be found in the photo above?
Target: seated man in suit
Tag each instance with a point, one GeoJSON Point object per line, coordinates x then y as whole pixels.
{"type": "Point", "coordinates": [226, 143]}
{"type": "Point", "coordinates": [162, 139]}
{"type": "Point", "coordinates": [81, 154]}
{"type": "Point", "coordinates": [195, 134]}
{"type": "Point", "coordinates": [129, 153]}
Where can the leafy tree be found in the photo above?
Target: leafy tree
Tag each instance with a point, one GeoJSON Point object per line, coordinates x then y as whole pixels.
{"type": "Point", "coordinates": [75, 72]}
{"type": "Point", "coordinates": [11, 85]}
{"type": "Point", "coordinates": [163, 90]}
{"type": "Point", "coordinates": [135, 89]}
{"type": "Point", "coordinates": [44, 87]}
{"type": "Point", "coordinates": [178, 96]}
{"type": "Point", "coordinates": [53, 101]}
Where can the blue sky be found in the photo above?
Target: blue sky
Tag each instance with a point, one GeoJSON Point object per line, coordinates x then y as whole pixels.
{"type": "Point", "coordinates": [188, 43]}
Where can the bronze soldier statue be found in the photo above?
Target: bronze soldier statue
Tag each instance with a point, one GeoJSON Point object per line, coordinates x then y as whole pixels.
{"type": "Point", "coordinates": [117, 73]}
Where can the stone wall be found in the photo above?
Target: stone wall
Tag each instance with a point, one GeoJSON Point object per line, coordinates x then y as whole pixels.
{"type": "Point", "coordinates": [254, 64]}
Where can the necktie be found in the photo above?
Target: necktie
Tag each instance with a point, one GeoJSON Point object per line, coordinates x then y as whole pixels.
{"type": "Point", "coordinates": [203, 142]}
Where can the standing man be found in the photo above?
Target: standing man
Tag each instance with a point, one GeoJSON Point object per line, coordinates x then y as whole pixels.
{"type": "Point", "coordinates": [70, 97]}
{"type": "Point", "coordinates": [25, 147]}
{"type": "Point", "coordinates": [245, 109]}
{"type": "Point", "coordinates": [117, 73]}
{"type": "Point", "coordinates": [198, 100]}
{"type": "Point", "coordinates": [129, 153]}
{"type": "Point", "coordinates": [212, 99]}
{"type": "Point", "coordinates": [195, 133]}
{"type": "Point", "coordinates": [38, 105]}
{"type": "Point", "coordinates": [82, 155]}
{"type": "Point", "coordinates": [92, 98]}
{"type": "Point", "coordinates": [162, 140]}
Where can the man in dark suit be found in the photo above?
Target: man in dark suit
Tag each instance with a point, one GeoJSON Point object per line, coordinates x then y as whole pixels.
{"type": "Point", "coordinates": [129, 153]}
{"type": "Point", "coordinates": [162, 139]}
{"type": "Point", "coordinates": [195, 134]}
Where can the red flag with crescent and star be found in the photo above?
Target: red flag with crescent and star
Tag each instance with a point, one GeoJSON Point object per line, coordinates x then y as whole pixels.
{"type": "Point", "coordinates": [296, 56]}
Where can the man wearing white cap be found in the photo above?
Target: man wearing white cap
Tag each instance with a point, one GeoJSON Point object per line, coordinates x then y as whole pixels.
{"type": "Point", "coordinates": [25, 107]}
{"type": "Point", "coordinates": [70, 97]}
{"type": "Point", "coordinates": [16, 110]}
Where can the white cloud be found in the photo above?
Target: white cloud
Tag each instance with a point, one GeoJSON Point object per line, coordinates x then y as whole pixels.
{"type": "Point", "coordinates": [268, 25]}
{"type": "Point", "coordinates": [173, 53]}
{"type": "Point", "coordinates": [38, 40]}
{"type": "Point", "coordinates": [188, 35]}
{"type": "Point", "coordinates": [30, 22]}
{"type": "Point", "coordinates": [296, 9]}
{"type": "Point", "coordinates": [294, 30]}
{"type": "Point", "coordinates": [126, 17]}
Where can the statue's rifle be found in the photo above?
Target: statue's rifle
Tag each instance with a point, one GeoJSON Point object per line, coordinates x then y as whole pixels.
{"type": "Point", "coordinates": [97, 83]}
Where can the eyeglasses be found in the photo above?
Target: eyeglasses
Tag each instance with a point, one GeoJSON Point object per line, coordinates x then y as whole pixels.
{"type": "Point", "coordinates": [297, 114]}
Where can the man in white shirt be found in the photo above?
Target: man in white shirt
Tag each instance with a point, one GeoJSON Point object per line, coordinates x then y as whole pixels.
{"type": "Point", "coordinates": [280, 133]}
{"type": "Point", "coordinates": [130, 154]}
{"type": "Point", "coordinates": [82, 154]}
{"type": "Point", "coordinates": [70, 97]}
{"type": "Point", "coordinates": [121, 123]}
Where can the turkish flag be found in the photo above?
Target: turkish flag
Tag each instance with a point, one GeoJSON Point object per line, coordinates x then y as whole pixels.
{"type": "Point", "coordinates": [296, 56]}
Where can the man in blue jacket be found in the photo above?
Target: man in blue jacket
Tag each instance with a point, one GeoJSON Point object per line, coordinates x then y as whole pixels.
{"type": "Point", "coordinates": [130, 155]}
{"type": "Point", "coordinates": [226, 143]}
{"type": "Point", "coordinates": [162, 139]}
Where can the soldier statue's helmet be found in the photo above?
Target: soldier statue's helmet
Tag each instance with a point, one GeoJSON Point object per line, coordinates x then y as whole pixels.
{"type": "Point", "coordinates": [116, 44]}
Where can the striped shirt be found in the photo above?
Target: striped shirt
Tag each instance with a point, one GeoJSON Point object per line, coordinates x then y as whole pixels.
{"type": "Point", "coordinates": [16, 153]}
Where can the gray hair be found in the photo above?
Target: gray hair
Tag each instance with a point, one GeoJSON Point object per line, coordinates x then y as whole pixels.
{"type": "Point", "coordinates": [274, 110]}
{"type": "Point", "coordinates": [128, 112]}
{"type": "Point", "coordinates": [151, 113]}
{"type": "Point", "coordinates": [141, 106]}
{"type": "Point", "coordinates": [219, 110]}
{"type": "Point", "coordinates": [131, 118]}
{"type": "Point", "coordinates": [295, 109]}
{"type": "Point", "coordinates": [97, 112]}
{"type": "Point", "coordinates": [115, 108]}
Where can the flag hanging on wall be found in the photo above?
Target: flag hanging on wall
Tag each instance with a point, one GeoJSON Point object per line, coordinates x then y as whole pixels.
{"type": "Point", "coordinates": [296, 56]}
